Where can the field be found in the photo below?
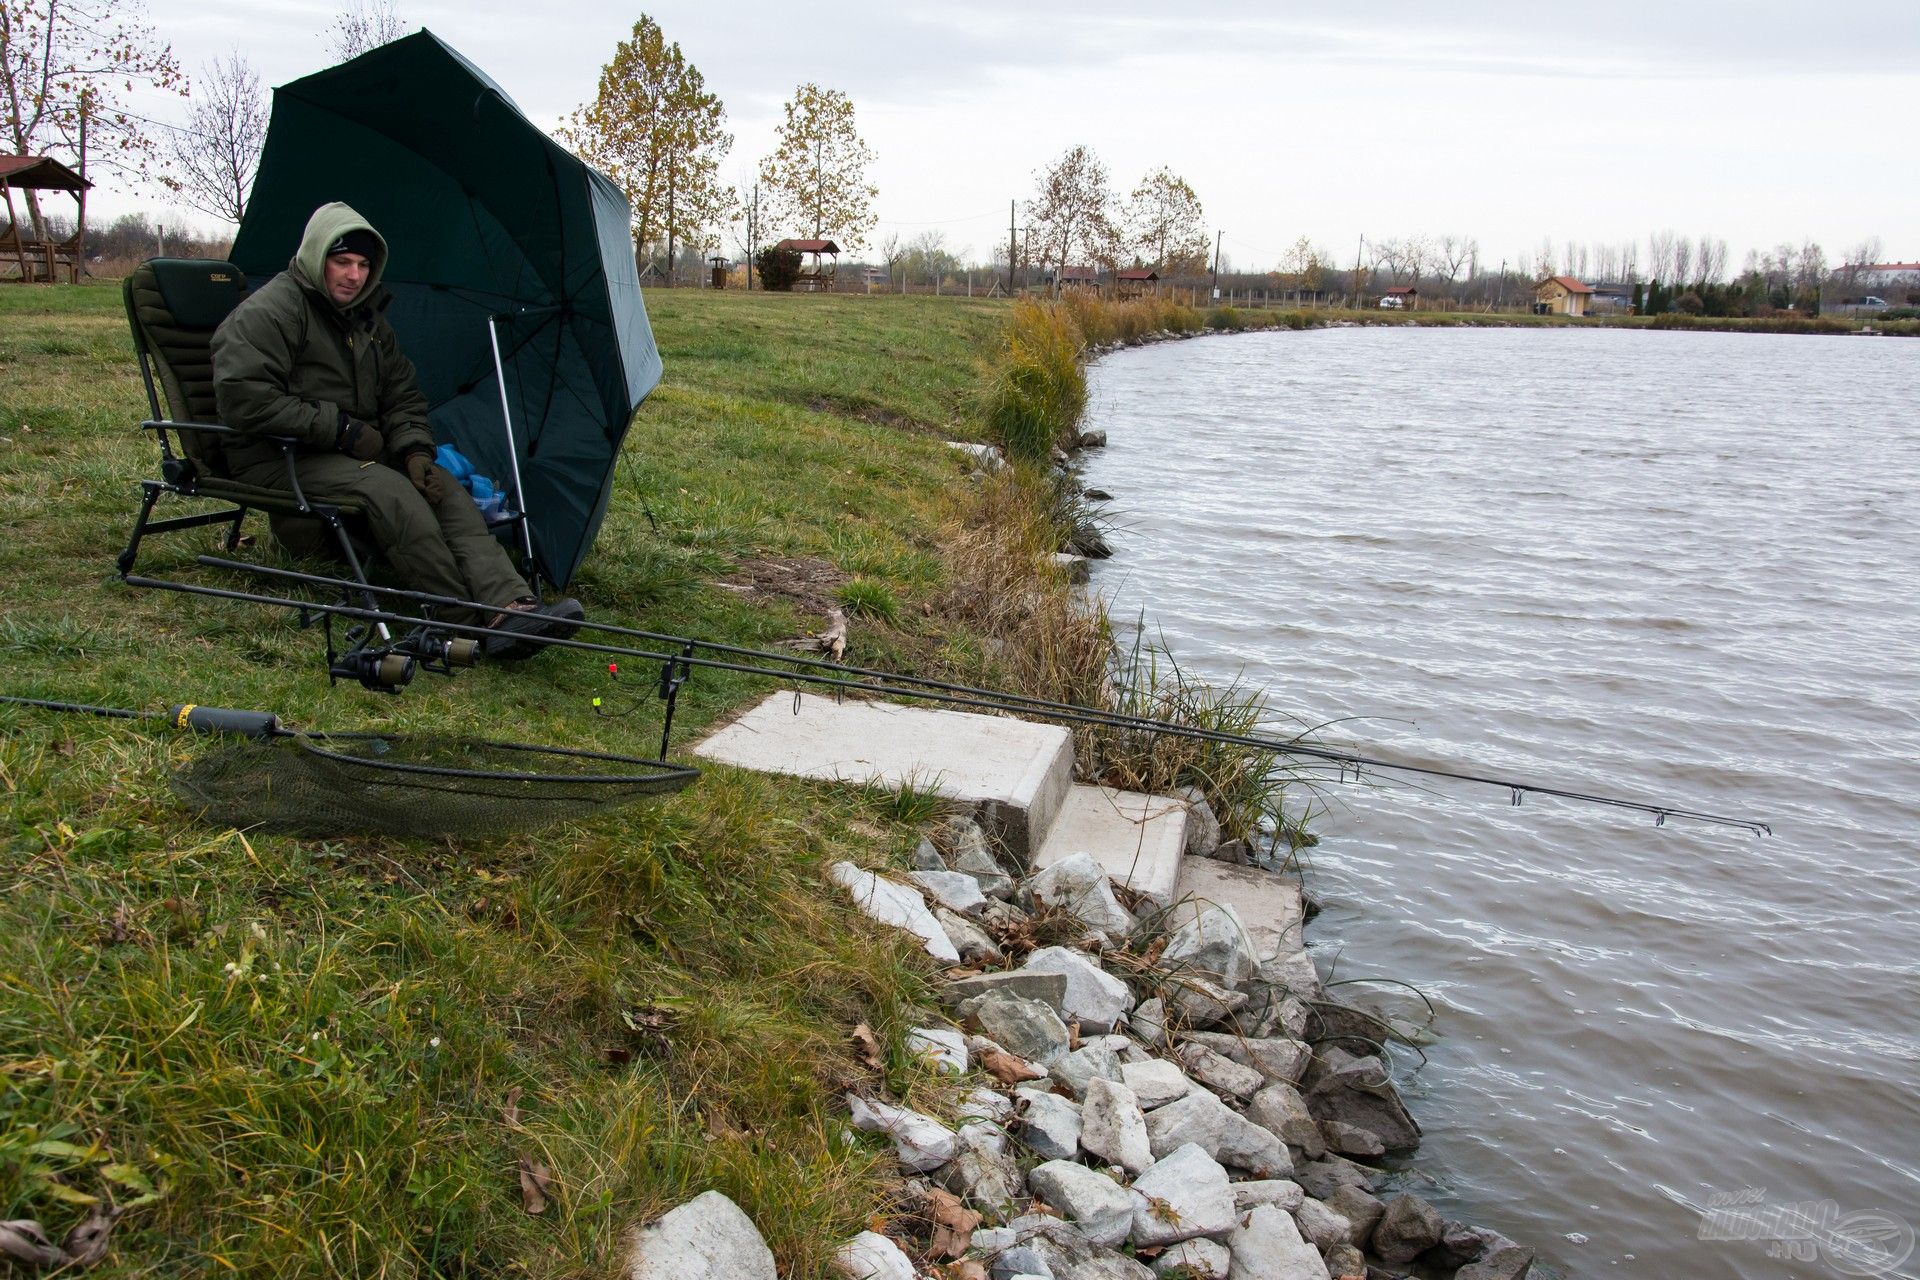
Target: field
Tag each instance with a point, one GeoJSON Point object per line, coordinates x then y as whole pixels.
{"type": "Point", "coordinates": [288, 1057]}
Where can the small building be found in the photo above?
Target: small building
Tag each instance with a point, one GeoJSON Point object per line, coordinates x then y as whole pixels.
{"type": "Point", "coordinates": [1613, 298]}
{"type": "Point", "coordinates": [815, 276]}
{"type": "Point", "coordinates": [1078, 277]}
{"type": "Point", "coordinates": [1138, 284]}
{"type": "Point", "coordinates": [1561, 296]}
{"type": "Point", "coordinates": [34, 257]}
{"type": "Point", "coordinates": [1404, 297]}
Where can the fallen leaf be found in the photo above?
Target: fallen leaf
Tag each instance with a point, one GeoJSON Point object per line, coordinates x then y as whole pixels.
{"type": "Point", "coordinates": [87, 1243]}
{"type": "Point", "coordinates": [953, 1223]}
{"type": "Point", "coordinates": [965, 1269]}
{"type": "Point", "coordinates": [510, 1110]}
{"type": "Point", "coordinates": [535, 1181]}
{"type": "Point", "coordinates": [867, 1045]}
{"type": "Point", "coordinates": [25, 1240]}
{"type": "Point", "coordinates": [118, 924]}
{"type": "Point", "coordinates": [1007, 1069]}
{"type": "Point", "coordinates": [1073, 1034]}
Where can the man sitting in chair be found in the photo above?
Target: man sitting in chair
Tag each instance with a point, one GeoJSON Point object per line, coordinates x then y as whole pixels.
{"type": "Point", "coordinates": [310, 355]}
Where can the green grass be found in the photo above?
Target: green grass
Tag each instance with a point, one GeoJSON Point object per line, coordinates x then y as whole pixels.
{"type": "Point", "coordinates": [305, 1048]}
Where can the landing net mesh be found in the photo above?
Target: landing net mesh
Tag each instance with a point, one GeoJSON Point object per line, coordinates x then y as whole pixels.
{"type": "Point", "coordinates": [325, 785]}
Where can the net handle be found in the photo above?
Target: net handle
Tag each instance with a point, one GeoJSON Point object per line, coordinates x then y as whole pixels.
{"type": "Point", "coordinates": [663, 774]}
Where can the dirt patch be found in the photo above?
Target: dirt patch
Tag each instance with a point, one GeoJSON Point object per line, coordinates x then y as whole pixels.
{"type": "Point", "coordinates": [807, 582]}
{"type": "Point", "coordinates": [867, 411]}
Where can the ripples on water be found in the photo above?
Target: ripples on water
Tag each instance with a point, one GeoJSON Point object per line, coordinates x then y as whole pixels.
{"type": "Point", "coordinates": [1673, 566]}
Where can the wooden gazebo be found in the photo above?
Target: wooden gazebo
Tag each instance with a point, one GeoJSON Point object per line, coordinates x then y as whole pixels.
{"type": "Point", "coordinates": [816, 277]}
{"type": "Point", "coordinates": [36, 257]}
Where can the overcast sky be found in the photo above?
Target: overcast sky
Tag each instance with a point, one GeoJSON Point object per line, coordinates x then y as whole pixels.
{"type": "Point", "coordinates": [1758, 121]}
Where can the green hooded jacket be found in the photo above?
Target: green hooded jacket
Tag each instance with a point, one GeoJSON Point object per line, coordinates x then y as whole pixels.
{"type": "Point", "coordinates": [289, 360]}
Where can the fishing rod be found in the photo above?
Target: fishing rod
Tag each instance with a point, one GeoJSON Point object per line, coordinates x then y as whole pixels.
{"type": "Point", "coordinates": [687, 653]}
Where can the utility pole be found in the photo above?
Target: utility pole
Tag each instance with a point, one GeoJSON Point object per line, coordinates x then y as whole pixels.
{"type": "Point", "coordinates": [1013, 246]}
{"type": "Point", "coordinates": [1358, 250]}
{"type": "Point", "coordinates": [670, 245]}
{"type": "Point", "coordinates": [1503, 284]}
{"type": "Point", "coordinates": [1216, 264]}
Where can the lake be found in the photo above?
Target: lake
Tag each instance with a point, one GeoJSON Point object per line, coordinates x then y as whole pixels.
{"type": "Point", "coordinates": [1679, 567]}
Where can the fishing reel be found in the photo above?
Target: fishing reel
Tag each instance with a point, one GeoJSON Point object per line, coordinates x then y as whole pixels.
{"type": "Point", "coordinates": [388, 666]}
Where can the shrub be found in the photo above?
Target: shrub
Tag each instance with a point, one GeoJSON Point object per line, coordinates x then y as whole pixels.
{"type": "Point", "coordinates": [1040, 391]}
{"type": "Point", "coordinates": [778, 268]}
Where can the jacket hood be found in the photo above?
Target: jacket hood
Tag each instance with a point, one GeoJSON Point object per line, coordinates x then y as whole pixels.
{"type": "Point", "coordinates": [328, 223]}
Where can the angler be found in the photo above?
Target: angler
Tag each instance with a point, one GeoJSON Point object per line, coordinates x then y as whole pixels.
{"type": "Point", "coordinates": [311, 355]}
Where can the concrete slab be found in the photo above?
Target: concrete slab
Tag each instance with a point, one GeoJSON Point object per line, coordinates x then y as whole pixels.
{"type": "Point", "coordinates": [1137, 838]}
{"type": "Point", "coordinates": [1014, 772]}
{"type": "Point", "coordinates": [1269, 903]}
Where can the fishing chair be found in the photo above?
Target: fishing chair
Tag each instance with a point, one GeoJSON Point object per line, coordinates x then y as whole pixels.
{"type": "Point", "coordinates": [173, 307]}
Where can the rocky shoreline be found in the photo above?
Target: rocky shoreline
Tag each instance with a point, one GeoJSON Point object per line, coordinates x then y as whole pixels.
{"type": "Point", "coordinates": [1145, 1091]}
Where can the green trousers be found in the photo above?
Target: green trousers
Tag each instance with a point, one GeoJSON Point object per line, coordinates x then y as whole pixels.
{"type": "Point", "coordinates": [444, 550]}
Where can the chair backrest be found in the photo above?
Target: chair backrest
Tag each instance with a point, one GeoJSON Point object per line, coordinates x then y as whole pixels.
{"type": "Point", "coordinates": [173, 307]}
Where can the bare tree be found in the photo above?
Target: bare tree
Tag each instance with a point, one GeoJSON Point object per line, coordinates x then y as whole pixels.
{"type": "Point", "coordinates": [1809, 266]}
{"type": "Point", "coordinates": [1660, 255]}
{"type": "Point", "coordinates": [892, 250]}
{"type": "Point", "coordinates": [1711, 258]}
{"type": "Point", "coordinates": [1073, 210]}
{"type": "Point", "coordinates": [1545, 263]}
{"type": "Point", "coordinates": [1453, 253]}
{"type": "Point", "coordinates": [1863, 254]}
{"type": "Point", "coordinates": [364, 25]}
{"type": "Point", "coordinates": [1682, 271]}
{"type": "Point", "coordinates": [212, 160]}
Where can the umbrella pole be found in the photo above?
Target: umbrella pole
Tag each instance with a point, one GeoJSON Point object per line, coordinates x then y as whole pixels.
{"type": "Point", "coordinates": [513, 453]}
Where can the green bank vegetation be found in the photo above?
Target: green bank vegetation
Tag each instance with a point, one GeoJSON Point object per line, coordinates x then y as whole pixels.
{"type": "Point", "coordinates": [295, 1057]}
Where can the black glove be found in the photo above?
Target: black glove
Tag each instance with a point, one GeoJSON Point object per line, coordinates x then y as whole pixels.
{"type": "Point", "coordinates": [358, 440]}
{"type": "Point", "coordinates": [430, 480]}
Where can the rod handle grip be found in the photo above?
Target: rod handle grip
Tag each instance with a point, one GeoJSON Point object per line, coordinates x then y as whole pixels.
{"type": "Point", "coordinates": [247, 724]}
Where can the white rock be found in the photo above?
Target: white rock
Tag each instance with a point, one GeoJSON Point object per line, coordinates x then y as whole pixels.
{"type": "Point", "coordinates": [1203, 828]}
{"type": "Point", "coordinates": [920, 1141]}
{"type": "Point", "coordinates": [1219, 1072]}
{"type": "Point", "coordinates": [975, 945]}
{"type": "Point", "coordinates": [1091, 1201]}
{"type": "Point", "coordinates": [1323, 1227]}
{"type": "Point", "coordinates": [1194, 1260]}
{"type": "Point", "coordinates": [897, 905]}
{"type": "Point", "coordinates": [945, 1047]}
{"type": "Point", "coordinates": [1155, 1082]}
{"type": "Point", "coordinates": [1113, 1129]}
{"type": "Point", "coordinates": [1049, 1123]}
{"type": "Point", "coordinates": [1273, 1191]}
{"type": "Point", "coordinates": [988, 1106]}
{"type": "Point", "coordinates": [1149, 1021]}
{"type": "Point", "coordinates": [1278, 1058]}
{"type": "Point", "coordinates": [871, 1256]}
{"type": "Point", "coordinates": [1094, 996]}
{"type": "Point", "coordinates": [954, 890]}
{"type": "Point", "coordinates": [1085, 1064]}
{"type": "Point", "coordinates": [707, 1238]}
{"type": "Point", "coordinates": [987, 455]}
{"type": "Point", "coordinates": [1280, 1109]}
{"type": "Point", "coordinates": [1215, 945]}
{"type": "Point", "coordinates": [984, 1173]}
{"type": "Point", "coordinates": [1222, 1133]}
{"type": "Point", "coordinates": [1184, 1195]}
{"type": "Point", "coordinates": [1267, 1246]}
{"type": "Point", "coordinates": [1078, 884]}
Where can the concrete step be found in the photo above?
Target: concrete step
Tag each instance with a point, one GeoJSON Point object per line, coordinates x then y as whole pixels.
{"type": "Point", "coordinates": [1138, 839]}
{"type": "Point", "coordinates": [1015, 773]}
{"type": "Point", "coordinates": [1269, 904]}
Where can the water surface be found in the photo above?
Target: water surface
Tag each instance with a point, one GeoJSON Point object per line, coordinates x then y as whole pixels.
{"type": "Point", "coordinates": [1673, 566]}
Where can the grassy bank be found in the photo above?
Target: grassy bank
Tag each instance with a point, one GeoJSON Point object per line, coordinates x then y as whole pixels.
{"type": "Point", "coordinates": [294, 1057]}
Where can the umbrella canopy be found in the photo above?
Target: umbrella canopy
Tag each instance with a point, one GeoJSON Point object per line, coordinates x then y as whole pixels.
{"type": "Point", "coordinates": [484, 217]}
